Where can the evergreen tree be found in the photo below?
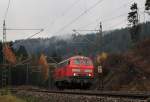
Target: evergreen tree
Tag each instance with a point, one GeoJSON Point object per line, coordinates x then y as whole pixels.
{"type": "Point", "coordinates": [147, 6]}
{"type": "Point", "coordinates": [22, 53]}
{"type": "Point", "coordinates": [56, 57]}
{"type": "Point", "coordinates": [133, 22]}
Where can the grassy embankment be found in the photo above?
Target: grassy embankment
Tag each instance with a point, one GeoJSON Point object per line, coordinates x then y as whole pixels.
{"type": "Point", "coordinates": [10, 98]}
{"type": "Point", "coordinates": [7, 96]}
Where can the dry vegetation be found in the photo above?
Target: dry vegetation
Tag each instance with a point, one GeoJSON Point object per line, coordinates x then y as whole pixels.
{"type": "Point", "coordinates": [10, 98]}
{"type": "Point", "coordinates": [129, 71]}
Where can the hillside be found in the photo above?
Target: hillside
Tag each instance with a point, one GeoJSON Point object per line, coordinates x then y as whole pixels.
{"type": "Point", "coordinates": [116, 41]}
{"type": "Point", "coordinates": [129, 71]}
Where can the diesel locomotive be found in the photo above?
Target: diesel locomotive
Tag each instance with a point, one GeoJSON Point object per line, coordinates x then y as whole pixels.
{"type": "Point", "coordinates": [75, 72]}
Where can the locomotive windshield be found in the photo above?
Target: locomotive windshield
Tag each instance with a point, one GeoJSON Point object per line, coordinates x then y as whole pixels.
{"type": "Point", "coordinates": [82, 61]}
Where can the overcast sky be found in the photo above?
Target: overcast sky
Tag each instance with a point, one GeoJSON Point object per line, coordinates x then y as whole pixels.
{"type": "Point", "coordinates": [53, 15]}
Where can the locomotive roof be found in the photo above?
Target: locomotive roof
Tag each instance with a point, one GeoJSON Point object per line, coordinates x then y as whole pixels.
{"type": "Point", "coordinates": [78, 57]}
{"type": "Point", "coordinates": [74, 57]}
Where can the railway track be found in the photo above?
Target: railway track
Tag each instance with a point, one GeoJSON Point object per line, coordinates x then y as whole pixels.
{"type": "Point", "coordinates": [117, 94]}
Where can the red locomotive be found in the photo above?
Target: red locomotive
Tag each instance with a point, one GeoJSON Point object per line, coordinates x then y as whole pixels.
{"type": "Point", "coordinates": [75, 72]}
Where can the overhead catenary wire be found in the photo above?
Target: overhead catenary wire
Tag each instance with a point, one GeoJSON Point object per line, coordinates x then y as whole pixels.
{"type": "Point", "coordinates": [20, 29]}
{"type": "Point", "coordinates": [74, 20]}
{"type": "Point", "coordinates": [82, 30]}
{"type": "Point", "coordinates": [115, 17]}
{"type": "Point", "coordinates": [119, 8]}
{"type": "Point", "coordinates": [70, 7]}
{"type": "Point", "coordinates": [64, 12]}
{"type": "Point", "coordinates": [107, 19]}
{"type": "Point", "coordinates": [110, 19]}
{"type": "Point", "coordinates": [41, 30]}
{"type": "Point", "coordinates": [84, 37]}
{"type": "Point", "coordinates": [35, 34]}
{"type": "Point", "coordinates": [31, 36]}
{"type": "Point", "coordinates": [116, 24]}
{"type": "Point", "coordinates": [85, 11]}
{"type": "Point", "coordinates": [78, 17]}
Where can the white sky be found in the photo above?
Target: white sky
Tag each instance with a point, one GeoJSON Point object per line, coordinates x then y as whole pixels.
{"type": "Point", "coordinates": [52, 15]}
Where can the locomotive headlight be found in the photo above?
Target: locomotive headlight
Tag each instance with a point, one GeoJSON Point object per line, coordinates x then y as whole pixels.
{"type": "Point", "coordinates": [88, 71]}
{"type": "Point", "coordinates": [90, 75]}
{"type": "Point", "coordinates": [75, 70]}
{"type": "Point", "coordinates": [74, 74]}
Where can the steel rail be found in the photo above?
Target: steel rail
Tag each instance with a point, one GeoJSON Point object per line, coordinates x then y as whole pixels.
{"type": "Point", "coordinates": [118, 94]}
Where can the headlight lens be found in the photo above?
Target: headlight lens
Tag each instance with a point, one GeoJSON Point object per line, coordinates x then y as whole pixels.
{"type": "Point", "coordinates": [90, 75]}
{"type": "Point", "coordinates": [74, 74]}
{"type": "Point", "coordinates": [88, 71]}
{"type": "Point", "coordinates": [75, 70]}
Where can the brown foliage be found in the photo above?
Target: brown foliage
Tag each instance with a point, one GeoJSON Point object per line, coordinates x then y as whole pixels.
{"type": "Point", "coordinates": [45, 67]}
{"type": "Point", "coordinates": [9, 55]}
{"type": "Point", "coordinates": [130, 70]}
{"type": "Point", "coordinates": [140, 56]}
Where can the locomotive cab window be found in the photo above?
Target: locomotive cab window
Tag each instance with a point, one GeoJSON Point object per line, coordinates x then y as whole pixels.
{"type": "Point", "coordinates": [86, 62]}
{"type": "Point", "coordinates": [76, 61]}
{"type": "Point", "coordinates": [82, 62]}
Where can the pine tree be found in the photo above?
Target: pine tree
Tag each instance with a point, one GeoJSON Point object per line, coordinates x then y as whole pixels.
{"type": "Point", "coordinates": [22, 53]}
{"type": "Point", "coordinates": [147, 5]}
{"type": "Point", "coordinates": [56, 57]}
{"type": "Point", "coordinates": [133, 20]}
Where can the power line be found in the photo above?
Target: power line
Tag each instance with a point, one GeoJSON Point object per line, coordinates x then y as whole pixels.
{"type": "Point", "coordinates": [106, 20]}
{"type": "Point", "coordinates": [20, 29]}
{"type": "Point", "coordinates": [117, 24]}
{"type": "Point", "coordinates": [86, 30]}
{"type": "Point", "coordinates": [35, 34]}
{"type": "Point", "coordinates": [41, 30]}
{"type": "Point", "coordinates": [66, 11]}
{"type": "Point", "coordinates": [70, 7]}
{"type": "Point", "coordinates": [119, 8]}
{"type": "Point", "coordinates": [109, 19]}
{"type": "Point", "coordinates": [84, 37]}
{"type": "Point", "coordinates": [83, 13]}
{"type": "Point", "coordinates": [116, 17]}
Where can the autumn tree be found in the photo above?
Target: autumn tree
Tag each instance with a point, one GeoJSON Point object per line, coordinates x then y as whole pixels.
{"type": "Point", "coordinates": [133, 19]}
